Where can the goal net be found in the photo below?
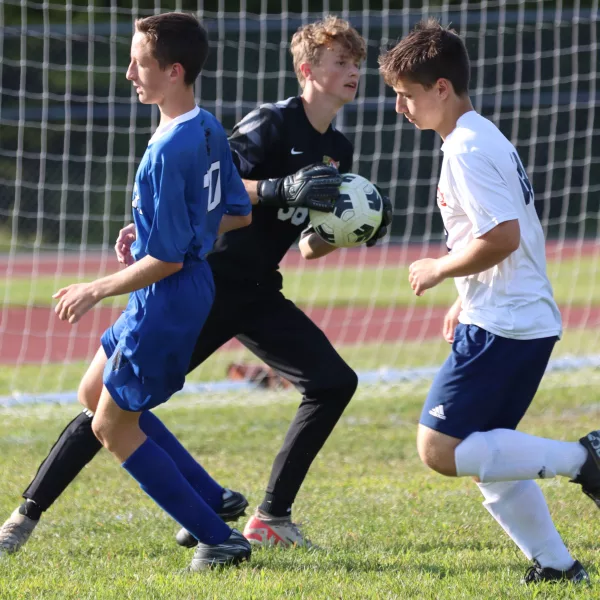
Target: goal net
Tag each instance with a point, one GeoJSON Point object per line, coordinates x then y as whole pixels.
{"type": "Point", "coordinates": [72, 133]}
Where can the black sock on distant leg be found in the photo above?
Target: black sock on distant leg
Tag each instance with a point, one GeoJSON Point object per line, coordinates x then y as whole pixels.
{"type": "Point", "coordinates": [272, 506]}
{"type": "Point", "coordinates": [31, 510]}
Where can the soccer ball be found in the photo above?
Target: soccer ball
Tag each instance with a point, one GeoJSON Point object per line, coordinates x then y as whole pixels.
{"type": "Point", "coordinates": [356, 215]}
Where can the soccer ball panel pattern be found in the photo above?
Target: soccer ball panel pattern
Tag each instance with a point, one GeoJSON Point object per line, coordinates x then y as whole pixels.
{"type": "Point", "coordinates": [355, 217]}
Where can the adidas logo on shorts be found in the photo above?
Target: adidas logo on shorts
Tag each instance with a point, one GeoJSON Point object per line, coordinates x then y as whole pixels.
{"type": "Point", "coordinates": [438, 412]}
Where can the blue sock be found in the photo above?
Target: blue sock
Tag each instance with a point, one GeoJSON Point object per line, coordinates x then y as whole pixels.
{"type": "Point", "coordinates": [160, 478]}
{"type": "Point", "coordinates": [199, 479]}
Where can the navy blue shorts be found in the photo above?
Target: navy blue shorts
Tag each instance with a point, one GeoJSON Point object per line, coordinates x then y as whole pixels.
{"type": "Point", "coordinates": [150, 345]}
{"type": "Point", "coordinates": [487, 382]}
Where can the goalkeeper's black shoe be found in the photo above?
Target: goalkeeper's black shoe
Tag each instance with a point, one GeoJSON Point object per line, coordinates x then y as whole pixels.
{"type": "Point", "coordinates": [589, 476]}
{"type": "Point", "coordinates": [537, 574]}
{"type": "Point", "coordinates": [232, 551]}
{"type": "Point", "coordinates": [234, 507]}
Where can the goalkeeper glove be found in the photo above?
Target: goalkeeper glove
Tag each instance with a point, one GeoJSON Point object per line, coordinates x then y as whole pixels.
{"type": "Point", "coordinates": [315, 186]}
{"type": "Point", "coordinates": [386, 220]}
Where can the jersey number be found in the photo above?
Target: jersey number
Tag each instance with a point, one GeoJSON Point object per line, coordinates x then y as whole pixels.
{"type": "Point", "coordinates": [212, 181]}
{"type": "Point", "coordinates": [523, 179]}
{"type": "Point", "coordinates": [297, 215]}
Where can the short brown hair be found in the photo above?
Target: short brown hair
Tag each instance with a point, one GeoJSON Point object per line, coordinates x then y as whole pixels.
{"type": "Point", "coordinates": [309, 41]}
{"type": "Point", "coordinates": [428, 53]}
{"type": "Point", "coordinates": [176, 38]}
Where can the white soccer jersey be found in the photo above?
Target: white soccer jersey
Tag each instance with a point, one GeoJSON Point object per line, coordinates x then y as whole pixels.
{"type": "Point", "coordinates": [483, 184]}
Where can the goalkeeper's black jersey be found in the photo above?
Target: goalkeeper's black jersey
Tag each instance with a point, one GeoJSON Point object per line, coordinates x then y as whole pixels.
{"type": "Point", "coordinates": [273, 141]}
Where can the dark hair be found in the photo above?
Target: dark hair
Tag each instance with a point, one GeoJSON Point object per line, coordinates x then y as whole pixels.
{"type": "Point", "coordinates": [176, 38]}
{"type": "Point", "coordinates": [428, 53]}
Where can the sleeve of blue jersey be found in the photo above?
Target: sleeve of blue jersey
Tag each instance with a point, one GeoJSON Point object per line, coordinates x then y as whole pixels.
{"type": "Point", "coordinates": [171, 232]}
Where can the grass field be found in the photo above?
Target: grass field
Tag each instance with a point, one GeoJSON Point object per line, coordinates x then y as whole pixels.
{"type": "Point", "coordinates": [575, 282]}
{"type": "Point", "coordinates": [386, 527]}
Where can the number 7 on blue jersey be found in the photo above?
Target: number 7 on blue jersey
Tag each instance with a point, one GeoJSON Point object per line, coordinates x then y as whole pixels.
{"type": "Point", "coordinates": [212, 181]}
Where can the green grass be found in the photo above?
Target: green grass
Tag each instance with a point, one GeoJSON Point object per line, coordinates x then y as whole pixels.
{"type": "Point", "coordinates": [386, 526]}
{"type": "Point", "coordinates": [53, 377]}
{"type": "Point", "coordinates": [575, 282]}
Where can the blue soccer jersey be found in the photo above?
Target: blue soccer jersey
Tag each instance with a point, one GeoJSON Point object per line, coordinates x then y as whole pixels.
{"type": "Point", "coordinates": [183, 186]}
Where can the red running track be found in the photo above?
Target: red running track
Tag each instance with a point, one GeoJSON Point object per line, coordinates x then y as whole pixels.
{"type": "Point", "coordinates": [30, 265]}
{"type": "Point", "coordinates": [36, 335]}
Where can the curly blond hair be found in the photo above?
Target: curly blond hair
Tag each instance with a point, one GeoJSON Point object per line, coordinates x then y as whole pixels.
{"type": "Point", "coordinates": [310, 40]}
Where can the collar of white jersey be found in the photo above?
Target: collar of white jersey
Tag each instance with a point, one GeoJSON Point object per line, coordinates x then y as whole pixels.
{"type": "Point", "coordinates": [164, 129]}
{"type": "Point", "coordinates": [462, 121]}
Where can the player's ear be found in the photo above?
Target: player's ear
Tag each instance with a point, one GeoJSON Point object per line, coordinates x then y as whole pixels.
{"type": "Point", "coordinates": [306, 70]}
{"type": "Point", "coordinates": [444, 88]}
{"type": "Point", "coordinates": [176, 71]}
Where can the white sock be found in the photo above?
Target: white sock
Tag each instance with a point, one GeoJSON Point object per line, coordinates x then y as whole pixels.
{"type": "Point", "coordinates": [507, 455]}
{"type": "Point", "coordinates": [521, 510]}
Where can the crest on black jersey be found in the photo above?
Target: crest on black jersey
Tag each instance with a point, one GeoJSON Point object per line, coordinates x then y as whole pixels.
{"type": "Point", "coordinates": [327, 160]}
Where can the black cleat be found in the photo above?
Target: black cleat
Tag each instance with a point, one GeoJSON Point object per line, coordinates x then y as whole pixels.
{"type": "Point", "coordinates": [537, 574]}
{"type": "Point", "coordinates": [234, 506]}
{"type": "Point", "coordinates": [589, 476]}
{"type": "Point", "coordinates": [232, 551]}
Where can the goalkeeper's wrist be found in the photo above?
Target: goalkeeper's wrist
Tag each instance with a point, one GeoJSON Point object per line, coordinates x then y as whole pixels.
{"type": "Point", "coordinates": [269, 192]}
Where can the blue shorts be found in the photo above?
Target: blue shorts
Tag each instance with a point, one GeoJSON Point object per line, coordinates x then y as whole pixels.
{"type": "Point", "coordinates": [150, 345]}
{"type": "Point", "coordinates": [487, 382]}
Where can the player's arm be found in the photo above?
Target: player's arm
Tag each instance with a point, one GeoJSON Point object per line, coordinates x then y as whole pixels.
{"type": "Point", "coordinates": [123, 244]}
{"type": "Point", "coordinates": [315, 186]}
{"type": "Point", "coordinates": [255, 141]}
{"type": "Point", "coordinates": [451, 320]}
{"type": "Point", "coordinates": [141, 274]}
{"type": "Point", "coordinates": [480, 254]}
{"type": "Point", "coordinates": [168, 241]}
{"type": "Point", "coordinates": [484, 252]}
{"type": "Point", "coordinates": [75, 300]}
{"type": "Point", "coordinates": [231, 222]}
{"type": "Point", "coordinates": [489, 206]}
{"type": "Point", "coordinates": [313, 246]}
{"type": "Point", "coordinates": [252, 190]}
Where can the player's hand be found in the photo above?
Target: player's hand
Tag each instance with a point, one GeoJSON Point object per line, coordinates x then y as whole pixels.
{"type": "Point", "coordinates": [451, 321]}
{"type": "Point", "coordinates": [386, 221]}
{"type": "Point", "coordinates": [123, 245]}
{"type": "Point", "coordinates": [424, 274]}
{"type": "Point", "coordinates": [74, 301]}
{"type": "Point", "coordinates": [315, 186]}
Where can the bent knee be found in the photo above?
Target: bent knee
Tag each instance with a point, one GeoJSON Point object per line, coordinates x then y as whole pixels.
{"type": "Point", "coordinates": [104, 432]}
{"type": "Point", "coordinates": [439, 464]}
{"type": "Point", "coordinates": [345, 382]}
{"type": "Point", "coordinates": [88, 392]}
{"type": "Point", "coordinates": [338, 386]}
{"type": "Point", "coordinates": [86, 396]}
{"type": "Point", "coordinates": [349, 382]}
{"type": "Point", "coordinates": [100, 430]}
{"type": "Point", "coordinates": [437, 455]}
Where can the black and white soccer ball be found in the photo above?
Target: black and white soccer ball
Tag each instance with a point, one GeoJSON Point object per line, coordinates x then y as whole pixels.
{"type": "Point", "coordinates": [356, 215]}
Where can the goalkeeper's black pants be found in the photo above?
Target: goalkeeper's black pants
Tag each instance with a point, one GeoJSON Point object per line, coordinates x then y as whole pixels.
{"type": "Point", "coordinates": [280, 334]}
